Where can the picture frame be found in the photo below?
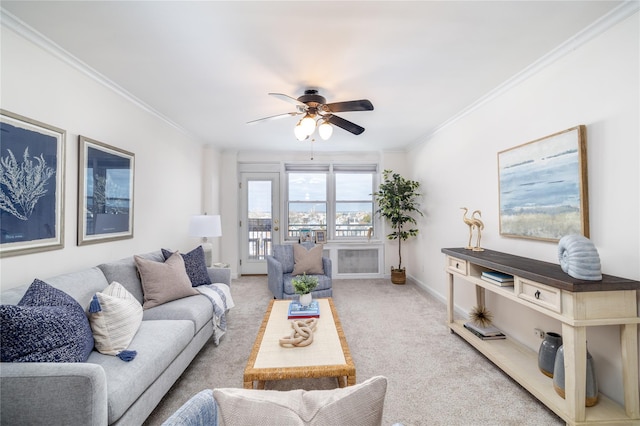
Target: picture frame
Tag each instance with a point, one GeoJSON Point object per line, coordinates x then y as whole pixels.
{"type": "Point", "coordinates": [543, 189]}
{"type": "Point", "coordinates": [32, 156]}
{"type": "Point", "coordinates": [305, 236]}
{"type": "Point", "coordinates": [321, 237]}
{"type": "Point", "coordinates": [105, 192]}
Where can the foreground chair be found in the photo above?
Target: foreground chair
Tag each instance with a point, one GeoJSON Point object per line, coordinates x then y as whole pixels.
{"type": "Point", "coordinates": [358, 405]}
{"type": "Point", "coordinates": [281, 265]}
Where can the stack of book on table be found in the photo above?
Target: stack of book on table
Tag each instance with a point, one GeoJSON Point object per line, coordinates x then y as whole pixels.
{"type": "Point", "coordinates": [485, 333]}
{"type": "Point", "coordinates": [297, 311]}
{"type": "Point", "coordinates": [498, 278]}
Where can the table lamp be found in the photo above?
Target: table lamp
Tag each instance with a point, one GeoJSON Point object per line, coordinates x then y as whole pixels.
{"type": "Point", "coordinates": [205, 226]}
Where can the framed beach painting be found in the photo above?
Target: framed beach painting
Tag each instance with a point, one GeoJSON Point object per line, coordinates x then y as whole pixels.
{"type": "Point", "coordinates": [31, 185]}
{"type": "Point", "coordinates": [543, 187]}
{"type": "Point", "coordinates": [105, 204]}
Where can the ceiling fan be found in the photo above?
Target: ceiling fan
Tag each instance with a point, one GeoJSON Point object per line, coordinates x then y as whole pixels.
{"type": "Point", "coordinates": [318, 113]}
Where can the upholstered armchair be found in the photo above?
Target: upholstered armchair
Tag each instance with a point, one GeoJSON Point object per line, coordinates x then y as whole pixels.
{"type": "Point", "coordinates": [285, 264]}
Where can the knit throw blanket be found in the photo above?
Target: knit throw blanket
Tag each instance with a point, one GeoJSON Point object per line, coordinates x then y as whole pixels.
{"type": "Point", "coordinates": [220, 297]}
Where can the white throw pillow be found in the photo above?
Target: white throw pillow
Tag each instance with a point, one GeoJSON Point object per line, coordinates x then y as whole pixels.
{"type": "Point", "coordinates": [115, 316]}
{"type": "Point", "coordinates": [360, 405]}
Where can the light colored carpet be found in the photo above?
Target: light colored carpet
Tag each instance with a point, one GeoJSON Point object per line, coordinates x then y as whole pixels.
{"type": "Point", "coordinates": [398, 331]}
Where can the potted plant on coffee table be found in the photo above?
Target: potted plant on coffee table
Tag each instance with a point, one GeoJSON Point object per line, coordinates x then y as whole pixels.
{"type": "Point", "coordinates": [397, 201]}
{"type": "Point", "coordinates": [303, 285]}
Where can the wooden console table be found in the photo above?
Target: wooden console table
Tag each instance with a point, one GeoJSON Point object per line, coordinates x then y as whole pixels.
{"type": "Point", "coordinates": [577, 304]}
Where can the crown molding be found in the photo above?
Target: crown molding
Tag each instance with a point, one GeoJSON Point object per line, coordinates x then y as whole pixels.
{"type": "Point", "coordinates": [615, 16]}
{"type": "Point", "coordinates": [18, 26]}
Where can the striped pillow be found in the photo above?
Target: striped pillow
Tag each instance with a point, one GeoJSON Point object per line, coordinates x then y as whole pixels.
{"type": "Point", "coordinates": [115, 316]}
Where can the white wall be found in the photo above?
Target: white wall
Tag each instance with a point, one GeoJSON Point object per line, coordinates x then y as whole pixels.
{"type": "Point", "coordinates": [168, 164]}
{"type": "Point", "coordinates": [596, 85]}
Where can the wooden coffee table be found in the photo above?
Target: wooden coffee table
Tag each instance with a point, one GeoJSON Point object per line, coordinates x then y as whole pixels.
{"type": "Point", "coordinates": [327, 356]}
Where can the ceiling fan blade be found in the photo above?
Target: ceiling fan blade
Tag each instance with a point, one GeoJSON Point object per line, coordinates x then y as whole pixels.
{"type": "Point", "coordinates": [289, 99]}
{"type": "Point", "coordinates": [274, 117]}
{"type": "Point", "coordinates": [359, 105]}
{"type": "Point", "coordinates": [345, 124]}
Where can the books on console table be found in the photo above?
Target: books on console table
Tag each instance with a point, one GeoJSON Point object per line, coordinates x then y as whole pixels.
{"type": "Point", "coordinates": [498, 278]}
{"type": "Point", "coordinates": [296, 310]}
{"type": "Point", "coordinates": [485, 333]}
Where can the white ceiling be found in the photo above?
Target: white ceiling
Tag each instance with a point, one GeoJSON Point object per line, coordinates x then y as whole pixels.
{"type": "Point", "coordinates": [207, 66]}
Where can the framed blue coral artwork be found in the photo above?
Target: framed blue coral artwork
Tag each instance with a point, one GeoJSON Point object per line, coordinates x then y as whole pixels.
{"type": "Point", "coordinates": [543, 187]}
{"type": "Point", "coordinates": [31, 185]}
{"type": "Point", "coordinates": [105, 205]}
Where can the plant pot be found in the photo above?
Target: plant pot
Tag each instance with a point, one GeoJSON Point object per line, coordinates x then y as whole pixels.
{"type": "Point", "coordinates": [306, 299]}
{"type": "Point", "coordinates": [398, 276]}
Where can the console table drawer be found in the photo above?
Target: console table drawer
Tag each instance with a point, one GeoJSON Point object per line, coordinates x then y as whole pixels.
{"type": "Point", "coordinates": [539, 294]}
{"type": "Point", "coordinates": [457, 265]}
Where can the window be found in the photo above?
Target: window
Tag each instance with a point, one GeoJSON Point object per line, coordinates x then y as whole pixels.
{"type": "Point", "coordinates": [354, 204]}
{"type": "Point", "coordinates": [307, 202]}
{"type": "Point", "coordinates": [335, 198]}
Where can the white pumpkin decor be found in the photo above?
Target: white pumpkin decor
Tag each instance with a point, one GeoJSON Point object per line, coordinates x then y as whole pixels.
{"type": "Point", "coordinates": [579, 258]}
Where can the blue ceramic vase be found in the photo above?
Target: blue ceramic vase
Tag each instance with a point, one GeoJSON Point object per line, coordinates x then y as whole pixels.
{"type": "Point", "coordinates": [547, 353]}
{"type": "Point", "coordinates": [591, 394]}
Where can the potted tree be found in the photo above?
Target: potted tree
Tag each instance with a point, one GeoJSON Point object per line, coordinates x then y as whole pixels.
{"type": "Point", "coordinates": [304, 285]}
{"type": "Point", "coordinates": [397, 201]}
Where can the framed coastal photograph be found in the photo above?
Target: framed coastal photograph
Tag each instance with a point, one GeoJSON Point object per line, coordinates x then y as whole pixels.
{"type": "Point", "coordinates": [543, 187]}
{"type": "Point", "coordinates": [32, 185]}
{"type": "Point", "coordinates": [305, 236]}
{"type": "Point", "coordinates": [105, 193]}
{"type": "Point", "coordinates": [321, 237]}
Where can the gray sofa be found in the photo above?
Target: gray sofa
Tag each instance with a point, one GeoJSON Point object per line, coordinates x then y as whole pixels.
{"type": "Point", "coordinates": [106, 390]}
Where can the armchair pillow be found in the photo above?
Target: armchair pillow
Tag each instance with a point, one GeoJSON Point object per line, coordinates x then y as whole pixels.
{"type": "Point", "coordinates": [307, 261]}
{"type": "Point", "coordinates": [361, 405]}
{"type": "Point", "coordinates": [47, 325]}
{"type": "Point", "coordinates": [163, 282]}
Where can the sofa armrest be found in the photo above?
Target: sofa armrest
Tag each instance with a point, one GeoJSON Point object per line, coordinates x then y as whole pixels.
{"type": "Point", "coordinates": [220, 275]}
{"type": "Point", "coordinates": [326, 265]}
{"type": "Point", "coordinates": [53, 393]}
{"type": "Point", "coordinates": [275, 277]}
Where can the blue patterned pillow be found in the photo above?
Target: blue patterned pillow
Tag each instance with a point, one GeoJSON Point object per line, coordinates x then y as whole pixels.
{"type": "Point", "coordinates": [47, 325]}
{"type": "Point", "coordinates": [195, 265]}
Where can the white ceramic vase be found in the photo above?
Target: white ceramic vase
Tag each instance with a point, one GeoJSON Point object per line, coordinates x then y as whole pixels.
{"type": "Point", "coordinates": [305, 299]}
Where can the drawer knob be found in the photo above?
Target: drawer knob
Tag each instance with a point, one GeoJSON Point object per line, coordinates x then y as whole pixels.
{"type": "Point", "coordinates": [537, 294]}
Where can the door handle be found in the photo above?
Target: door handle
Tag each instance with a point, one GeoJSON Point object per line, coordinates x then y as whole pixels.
{"type": "Point", "coordinates": [277, 228]}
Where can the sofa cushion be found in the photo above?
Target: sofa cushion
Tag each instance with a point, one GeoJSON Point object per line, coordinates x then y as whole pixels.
{"type": "Point", "coordinates": [361, 404]}
{"type": "Point", "coordinates": [307, 261]}
{"type": "Point", "coordinates": [163, 282]}
{"type": "Point", "coordinates": [47, 325]}
{"type": "Point", "coordinates": [158, 344]}
{"type": "Point", "coordinates": [195, 265]}
{"type": "Point", "coordinates": [126, 273]}
{"type": "Point", "coordinates": [115, 316]}
{"type": "Point", "coordinates": [197, 309]}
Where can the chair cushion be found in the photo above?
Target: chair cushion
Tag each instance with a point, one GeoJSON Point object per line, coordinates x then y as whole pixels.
{"type": "Point", "coordinates": [307, 261]}
{"type": "Point", "coordinates": [47, 325]}
{"type": "Point", "coordinates": [195, 265]}
{"type": "Point", "coordinates": [115, 316]}
{"type": "Point", "coordinates": [361, 404]}
{"type": "Point", "coordinates": [164, 282]}
{"type": "Point", "coordinates": [199, 410]}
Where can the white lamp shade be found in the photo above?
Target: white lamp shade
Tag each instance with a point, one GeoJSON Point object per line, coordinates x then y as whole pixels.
{"type": "Point", "coordinates": [205, 226]}
{"type": "Point", "coordinates": [308, 124]}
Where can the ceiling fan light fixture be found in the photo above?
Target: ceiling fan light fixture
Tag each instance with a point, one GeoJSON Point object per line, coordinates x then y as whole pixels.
{"type": "Point", "coordinates": [325, 129]}
{"type": "Point", "coordinates": [300, 132]}
{"type": "Point", "coordinates": [308, 124]}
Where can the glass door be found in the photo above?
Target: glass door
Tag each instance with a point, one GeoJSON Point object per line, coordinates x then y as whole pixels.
{"type": "Point", "coordinates": [260, 225]}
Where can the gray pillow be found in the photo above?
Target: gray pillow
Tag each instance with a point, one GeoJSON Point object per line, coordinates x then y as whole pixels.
{"type": "Point", "coordinates": [360, 405]}
{"type": "Point", "coordinates": [163, 282]}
